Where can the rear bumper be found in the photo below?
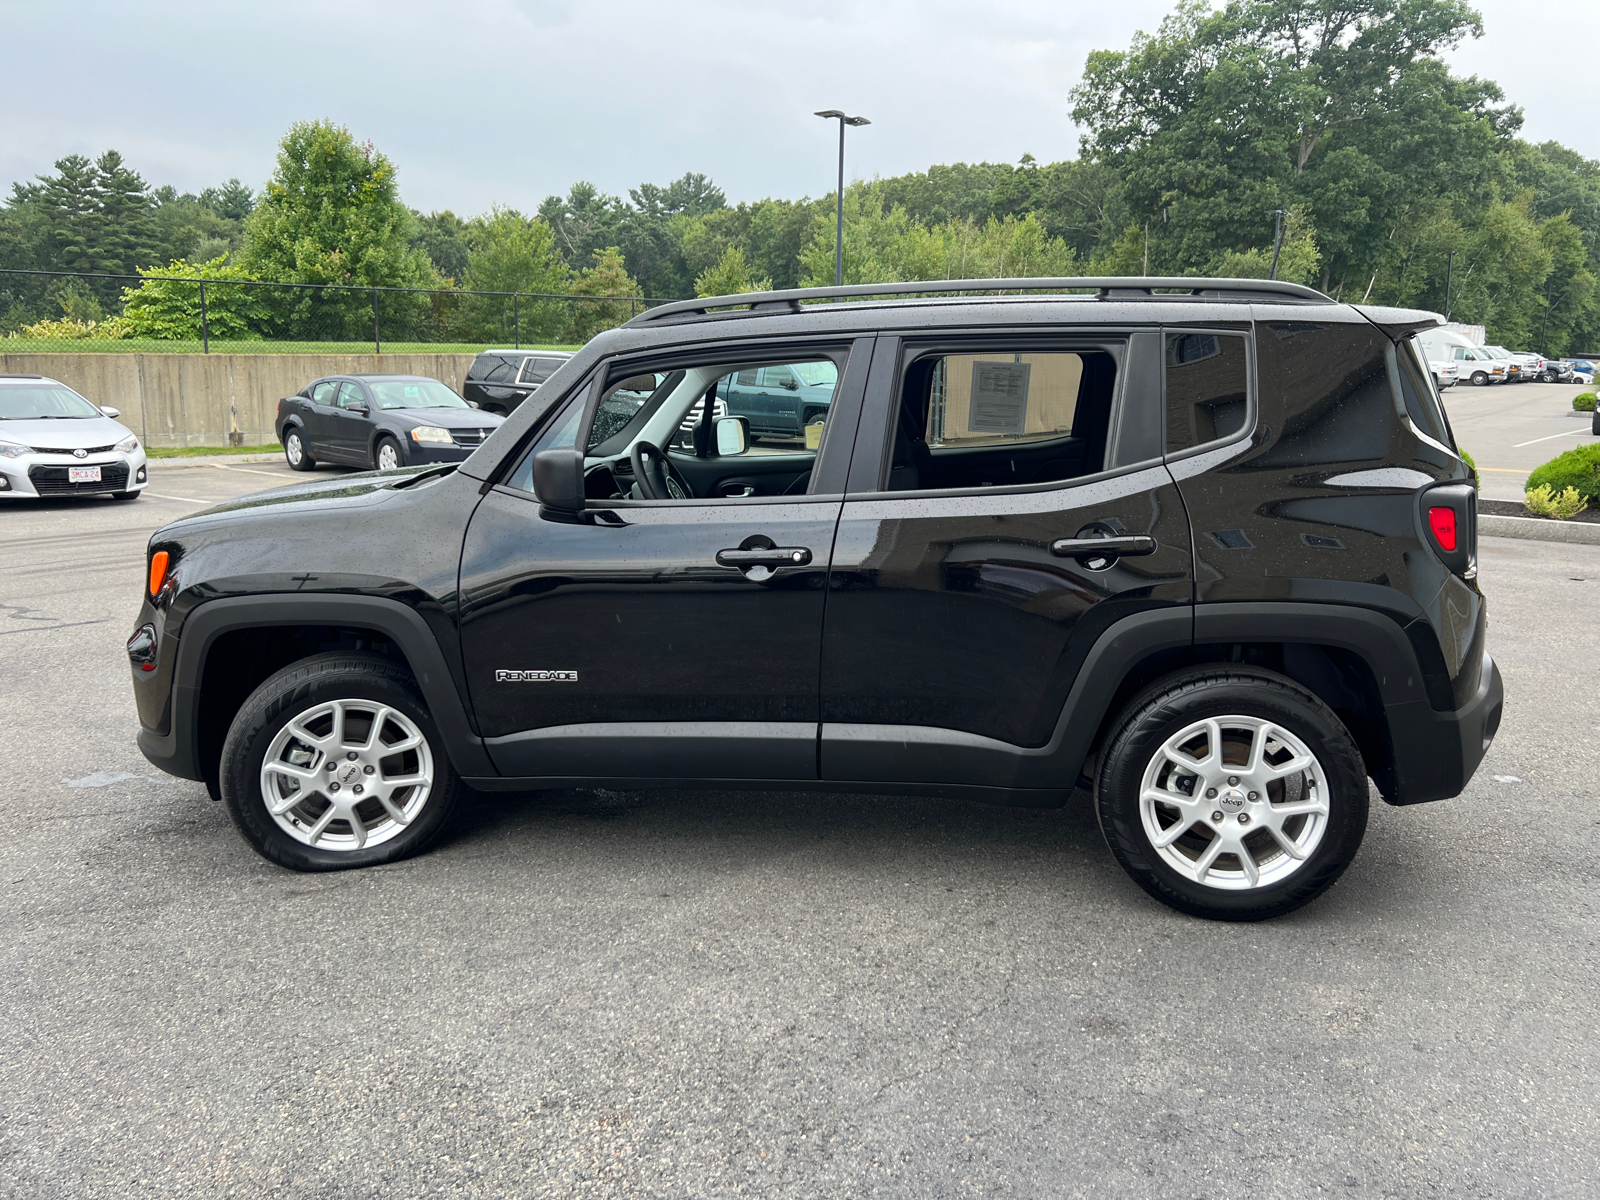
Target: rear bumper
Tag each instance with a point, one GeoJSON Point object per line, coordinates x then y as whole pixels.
{"type": "Point", "coordinates": [1436, 753]}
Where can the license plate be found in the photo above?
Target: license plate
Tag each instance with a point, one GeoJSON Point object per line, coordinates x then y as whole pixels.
{"type": "Point", "coordinates": [83, 474]}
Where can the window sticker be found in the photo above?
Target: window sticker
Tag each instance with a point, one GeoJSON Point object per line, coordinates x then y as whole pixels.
{"type": "Point", "coordinates": [999, 397]}
{"type": "Point", "coordinates": [413, 393]}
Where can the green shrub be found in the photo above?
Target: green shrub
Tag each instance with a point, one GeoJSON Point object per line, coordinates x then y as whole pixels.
{"type": "Point", "coordinates": [1583, 402]}
{"type": "Point", "coordinates": [1471, 466]}
{"type": "Point", "coordinates": [1579, 468]}
{"type": "Point", "coordinates": [1542, 502]}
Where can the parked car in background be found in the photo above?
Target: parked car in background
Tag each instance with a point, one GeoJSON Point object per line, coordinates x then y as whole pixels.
{"type": "Point", "coordinates": [780, 399]}
{"type": "Point", "coordinates": [499, 380]}
{"type": "Point", "coordinates": [1529, 365]}
{"type": "Point", "coordinates": [1477, 365]}
{"type": "Point", "coordinates": [53, 442]}
{"type": "Point", "coordinates": [1444, 372]}
{"type": "Point", "coordinates": [382, 421]}
{"type": "Point", "coordinates": [1583, 370]}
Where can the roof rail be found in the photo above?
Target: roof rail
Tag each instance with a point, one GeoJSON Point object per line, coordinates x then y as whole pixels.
{"type": "Point", "coordinates": [1108, 287]}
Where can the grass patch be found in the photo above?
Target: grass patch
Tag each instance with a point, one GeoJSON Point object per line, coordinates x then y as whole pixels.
{"type": "Point", "coordinates": [207, 451]}
{"type": "Point", "coordinates": [19, 345]}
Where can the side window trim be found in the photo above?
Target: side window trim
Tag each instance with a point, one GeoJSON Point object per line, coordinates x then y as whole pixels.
{"type": "Point", "coordinates": [1252, 410]}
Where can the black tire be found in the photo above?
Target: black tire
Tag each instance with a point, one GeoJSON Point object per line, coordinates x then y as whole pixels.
{"type": "Point", "coordinates": [378, 448]}
{"type": "Point", "coordinates": [301, 459]}
{"type": "Point", "coordinates": [1480, 379]}
{"type": "Point", "coordinates": [127, 495]}
{"type": "Point", "coordinates": [1162, 712]}
{"type": "Point", "coordinates": [287, 695]}
{"type": "Point", "coordinates": [1594, 423]}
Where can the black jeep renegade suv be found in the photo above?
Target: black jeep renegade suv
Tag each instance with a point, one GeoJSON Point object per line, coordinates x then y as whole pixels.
{"type": "Point", "coordinates": [1204, 547]}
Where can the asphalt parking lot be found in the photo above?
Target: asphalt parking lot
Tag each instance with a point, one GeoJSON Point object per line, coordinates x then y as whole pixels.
{"type": "Point", "coordinates": [1509, 429]}
{"type": "Point", "coordinates": [708, 994]}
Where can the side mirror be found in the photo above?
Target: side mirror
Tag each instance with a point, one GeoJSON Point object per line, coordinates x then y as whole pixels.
{"type": "Point", "coordinates": [472, 404]}
{"type": "Point", "coordinates": [558, 483]}
{"type": "Point", "coordinates": [358, 407]}
{"type": "Point", "coordinates": [791, 384]}
{"type": "Point", "coordinates": [113, 413]}
{"type": "Point", "coordinates": [733, 436]}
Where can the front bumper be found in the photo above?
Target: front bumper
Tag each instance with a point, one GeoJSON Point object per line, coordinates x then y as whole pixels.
{"type": "Point", "coordinates": [1436, 753]}
{"type": "Point", "coordinates": [417, 453]}
{"type": "Point", "coordinates": [31, 476]}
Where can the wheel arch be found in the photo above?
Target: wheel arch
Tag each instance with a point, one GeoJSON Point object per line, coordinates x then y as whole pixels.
{"type": "Point", "coordinates": [228, 647]}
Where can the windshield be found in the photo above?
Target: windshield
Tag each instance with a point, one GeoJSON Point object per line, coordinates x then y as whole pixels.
{"type": "Point", "coordinates": [413, 393]}
{"type": "Point", "coordinates": [43, 402]}
{"type": "Point", "coordinates": [816, 374]}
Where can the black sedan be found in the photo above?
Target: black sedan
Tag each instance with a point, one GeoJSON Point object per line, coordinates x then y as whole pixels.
{"type": "Point", "coordinates": [382, 421]}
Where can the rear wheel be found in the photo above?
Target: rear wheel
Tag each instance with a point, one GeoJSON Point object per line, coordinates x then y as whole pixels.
{"type": "Point", "coordinates": [335, 762]}
{"type": "Point", "coordinates": [387, 454]}
{"type": "Point", "coordinates": [1232, 794]}
{"type": "Point", "coordinates": [297, 451]}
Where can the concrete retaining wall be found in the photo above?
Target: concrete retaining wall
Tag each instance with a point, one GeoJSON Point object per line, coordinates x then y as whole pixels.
{"type": "Point", "coordinates": [214, 399]}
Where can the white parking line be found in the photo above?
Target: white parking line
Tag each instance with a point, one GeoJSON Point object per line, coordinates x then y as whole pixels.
{"type": "Point", "coordinates": [1551, 438]}
{"type": "Point", "coordinates": [185, 499]}
{"type": "Point", "coordinates": [246, 470]}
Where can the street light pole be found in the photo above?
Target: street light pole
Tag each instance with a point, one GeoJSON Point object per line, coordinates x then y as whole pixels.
{"type": "Point", "coordinates": [1449, 278]}
{"type": "Point", "coordinates": [838, 239]}
{"type": "Point", "coordinates": [1277, 241]}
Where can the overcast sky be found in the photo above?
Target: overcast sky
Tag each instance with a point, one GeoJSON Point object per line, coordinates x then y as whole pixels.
{"type": "Point", "coordinates": [482, 102]}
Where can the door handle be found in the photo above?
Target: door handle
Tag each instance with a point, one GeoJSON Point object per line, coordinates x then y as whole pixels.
{"type": "Point", "coordinates": [1104, 547]}
{"type": "Point", "coordinates": [772, 556]}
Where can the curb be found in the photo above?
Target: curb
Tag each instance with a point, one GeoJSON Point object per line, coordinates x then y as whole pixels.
{"type": "Point", "coordinates": [207, 460]}
{"type": "Point", "coordinates": [1537, 530]}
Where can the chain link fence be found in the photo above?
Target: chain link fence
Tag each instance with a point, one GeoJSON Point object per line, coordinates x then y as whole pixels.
{"type": "Point", "coordinates": [78, 312]}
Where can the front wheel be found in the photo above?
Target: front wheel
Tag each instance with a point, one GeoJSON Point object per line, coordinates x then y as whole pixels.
{"type": "Point", "coordinates": [335, 762]}
{"type": "Point", "coordinates": [126, 495]}
{"type": "Point", "coordinates": [388, 454]}
{"type": "Point", "coordinates": [1232, 793]}
{"type": "Point", "coordinates": [1480, 379]}
{"type": "Point", "coordinates": [296, 451]}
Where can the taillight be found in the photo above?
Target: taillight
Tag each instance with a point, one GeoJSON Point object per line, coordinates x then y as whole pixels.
{"type": "Point", "coordinates": [1449, 514]}
{"type": "Point", "coordinates": [1443, 523]}
{"type": "Point", "coordinates": [158, 570]}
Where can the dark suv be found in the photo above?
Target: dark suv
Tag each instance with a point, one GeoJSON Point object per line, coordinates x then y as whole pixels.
{"type": "Point", "coordinates": [1203, 547]}
{"type": "Point", "coordinates": [499, 380]}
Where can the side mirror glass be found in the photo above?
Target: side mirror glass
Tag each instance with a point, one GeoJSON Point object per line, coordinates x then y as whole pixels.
{"type": "Point", "coordinates": [558, 483]}
{"type": "Point", "coordinates": [733, 436]}
{"type": "Point", "coordinates": [111, 412]}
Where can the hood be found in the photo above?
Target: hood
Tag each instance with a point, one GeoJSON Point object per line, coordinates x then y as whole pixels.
{"type": "Point", "coordinates": [343, 492]}
{"type": "Point", "coordinates": [445, 418]}
{"type": "Point", "coordinates": [66, 433]}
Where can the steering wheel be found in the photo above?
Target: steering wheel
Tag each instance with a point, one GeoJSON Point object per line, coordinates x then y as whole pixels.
{"type": "Point", "coordinates": [653, 474]}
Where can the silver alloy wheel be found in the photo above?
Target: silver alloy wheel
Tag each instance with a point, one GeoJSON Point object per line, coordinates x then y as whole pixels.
{"type": "Point", "coordinates": [294, 449]}
{"type": "Point", "coordinates": [388, 456]}
{"type": "Point", "coordinates": [347, 775]}
{"type": "Point", "coordinates": [1234, 803]}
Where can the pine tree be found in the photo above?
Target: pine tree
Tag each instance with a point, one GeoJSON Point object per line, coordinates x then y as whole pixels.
{"type": "Point", "coordinates": [126, 230]}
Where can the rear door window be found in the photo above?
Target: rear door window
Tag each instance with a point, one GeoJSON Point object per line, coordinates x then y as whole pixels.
{"type": "Point", "coordinates": [325, 392]}
{"type": "Point", "coordinates": [1207, 387]}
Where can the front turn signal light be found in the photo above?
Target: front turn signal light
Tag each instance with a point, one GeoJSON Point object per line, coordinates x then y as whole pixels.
{"type": "Point", "coordinates": [158, 570]}
{"type": "Point", "coordinates": [1443, 523]}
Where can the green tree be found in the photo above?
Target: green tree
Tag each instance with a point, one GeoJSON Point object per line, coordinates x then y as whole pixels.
{"type": "Point", "coordinates": [331, 214]}
{"type": "Point", "coordinates": [167, 305]}
{"type": "Point", "coordinates": [442, 236]}
{"type": "Point", "coordinates": [1338, 106]}
{"type": "Point", "coordinates": [232, 201]}
{"type": "Point", "coordinates": [608, 277]}
{"type": "Point", "coordinates": [730, 277]}
{"type": "Point", "coordinates": [508, 252]}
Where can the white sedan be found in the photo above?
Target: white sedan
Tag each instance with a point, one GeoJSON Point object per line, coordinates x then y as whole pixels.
{"type": "Point", "coordinates": [53, 442]}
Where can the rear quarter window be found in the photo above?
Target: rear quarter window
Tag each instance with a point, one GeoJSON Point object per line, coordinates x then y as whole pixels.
{"type": "Point", "coordinates": [1330, 384]}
